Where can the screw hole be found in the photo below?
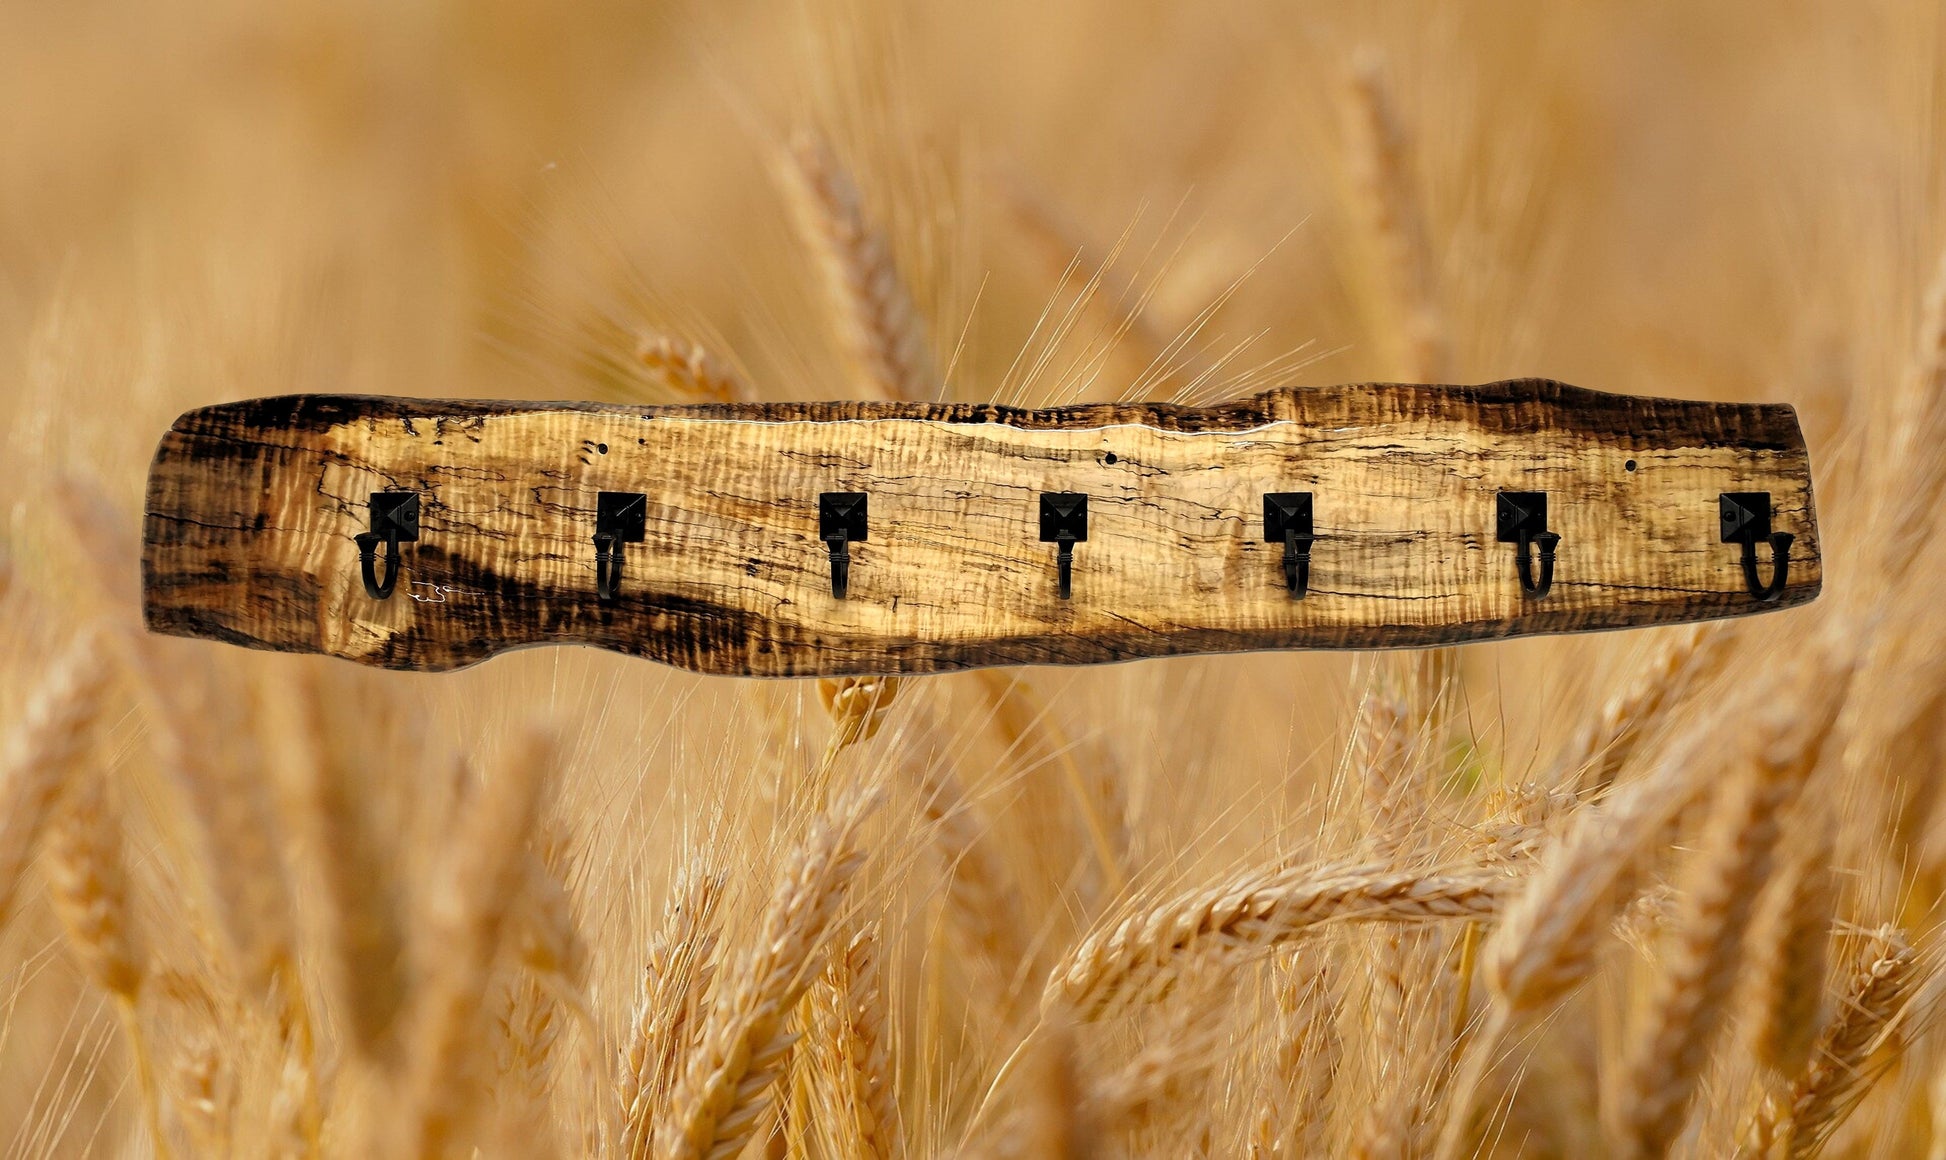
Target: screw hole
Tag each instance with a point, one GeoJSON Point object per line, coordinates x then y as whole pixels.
{"type": "Point", "coordinates": [1108, 458]}
{"type": "Point", "coordinates": [602, 447]}
{"type": "Point", "coordinates": [1629, 466]}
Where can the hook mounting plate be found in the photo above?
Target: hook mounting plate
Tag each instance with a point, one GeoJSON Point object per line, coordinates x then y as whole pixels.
{"type": "Point", "coordinates": [842, 515]}
{"type": "Point", "coordinates": [1520, 515]}
{"type": "Point", "coordinates": [1286, 511]}
{"type": "Point", "coordinates": [395, 516]}
{"type": "Point", "coordinates": [623, 515]}
{"type": "Point", "coordinates": [1064, 516]}
{"type": "Point", "coordinates": [1745, 516]}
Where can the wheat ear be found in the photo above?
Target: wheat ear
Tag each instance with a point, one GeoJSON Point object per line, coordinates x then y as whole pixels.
{"type": "Point", "coordinates": [857, 707]}
{"type": "Point", "coordinates": [555, 966]}
{"type": "Point", "coordinates": [1379, 161]}
{"type": "Point", "coordinates": [1167, 365]}
{"type": "Point", "coordinates": [1699, 972]}
{"type": "Point", "coordinates": [1297, 1100]}
{"type": "Point", "coordinates": [546, 936]}
{"type": "Point", "coordinates": [874, 313]}
{"type": "Point", "coordinates": [1682, 658]}
{"type": "Point", "coordinates": [204, 740]}
{"type": "Point", "coordinates": [1550, 932]}
{"type": "Point", "coordinates": [364, 934]}
{"type": "Point", "coordinates": [681, 962]}
{"type": "Point", "coordinates": [89, 888]}
{"type": "Point", "coordinates": [43, 749]}
{"type": "Point", "coordinates": [477, 891]}
{"type": "Point", "coordinates": [1916, 468]}
{"type": "Point", "coordinates": [851, 1048]}
{"type": "Point", "coordinates": [690, 371]}
{"type": "Point", "coordinates": [1789, 941]}
{"type": "Point", "coordinates": [1252, 914]}
{"type": "Point", "coordinates": [1162, 1081]}
{"type": "Point", "coordinates": [1796, 1122]}
{"type": "Point", "coordinates": [725, 1087]}
{"type": "Point", "coordinates": [1397, 721]}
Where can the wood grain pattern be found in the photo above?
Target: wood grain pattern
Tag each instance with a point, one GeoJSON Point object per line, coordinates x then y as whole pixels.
{"type": "Point", "coordinates": [252, 507]}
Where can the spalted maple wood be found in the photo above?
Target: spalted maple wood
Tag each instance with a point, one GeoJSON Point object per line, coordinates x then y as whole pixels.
{"type": "Point", "coordinates": [253, 506]}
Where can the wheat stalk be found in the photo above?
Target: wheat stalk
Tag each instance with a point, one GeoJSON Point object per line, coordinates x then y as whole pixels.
{"type": "Point", "coordinates": [1788, 943]}
{"type": "Point", "coordinates": [1378, 158]}
{"type": "Point", "coordinates": [479, 887]}
{"type": "Point", "coordinates": [1797, 1121]}
{"type": "Point", "coordinates": [364, 938]}
{"type": "Point", "coordinates": [982, 896]}
{"type": "Point", "coordinates": [869, 304]}
{"type": "Point", "coordinates": [850, 1043]}
{"type": "Point", "coordinates": [89, 888]}
{"type": "Point", "coordinates": [1035, 740]}
{"type": "Point", "coordinates": [690, 371]}
{"type": "Point", "coordinates": [681, 963]}
{"type": "Point", "coordinates": [1683, 658]}
{"type": "Point", "coordinates": [1251, 914]}
{"type": "Point", "coordinates": [725, 1086]}
{"type": "Point", "coordinates": [1700, 969]}
{"type": "Point", "coordinates": [43, 749]}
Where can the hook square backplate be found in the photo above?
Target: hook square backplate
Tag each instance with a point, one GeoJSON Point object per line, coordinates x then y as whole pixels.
{"type": "Point", "coordinates": [1064, 514]}
{"type": "Point", "coordinates": [1520, 514]}
{"type": "Point", "coordinates": [1286, 511]}
{"type": "Point", "coordinates": [395, 515]}
{"type": "Point", "coordinates": [623, 515]}
{"type": "Point", "coordinates": [1745, 516]}
{"type": "Point", "coordinates": [842, 516]}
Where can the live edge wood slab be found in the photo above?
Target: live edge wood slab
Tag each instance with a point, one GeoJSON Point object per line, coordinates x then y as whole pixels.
{"type": "Point", "coordinates": [253, 508]}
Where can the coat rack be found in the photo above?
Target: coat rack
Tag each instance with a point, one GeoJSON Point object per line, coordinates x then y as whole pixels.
{"type": "Point", "coordinates": [787, 539]}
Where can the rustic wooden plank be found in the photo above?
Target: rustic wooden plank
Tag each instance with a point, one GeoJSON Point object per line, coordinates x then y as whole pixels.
{"type": "Point", "coordinates": [253, 506]}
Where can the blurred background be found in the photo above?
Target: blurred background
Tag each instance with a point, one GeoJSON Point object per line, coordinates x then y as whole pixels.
{"type": "Point", "coordinates": [1084, 200]}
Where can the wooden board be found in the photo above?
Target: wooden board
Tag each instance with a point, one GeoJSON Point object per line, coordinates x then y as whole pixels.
{"type": "Point", "coordinates": [253, 506]}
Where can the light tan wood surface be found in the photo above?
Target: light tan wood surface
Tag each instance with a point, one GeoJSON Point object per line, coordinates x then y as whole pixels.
{"type": "Point", "coordinates": [253, 508]}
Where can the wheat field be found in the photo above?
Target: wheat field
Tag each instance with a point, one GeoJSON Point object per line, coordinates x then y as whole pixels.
{"type": "Point", "coordinates": [1667, 892]}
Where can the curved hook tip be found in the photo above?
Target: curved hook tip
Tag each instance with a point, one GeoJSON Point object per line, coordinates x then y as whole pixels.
{"type": "Point", "coordinates": [368, 544]}
{"type": "Point", "coordinates": [1780, 566]}
{"type": "Point", "coordinates": [1548, 542]}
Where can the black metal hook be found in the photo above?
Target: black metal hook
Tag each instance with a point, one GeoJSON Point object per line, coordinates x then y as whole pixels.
{"type": "Point", "coordinates": [1064, 523]}
{"type": "Point", "coordinates": [1547, 542]}
{"type": "Point", "coordinates": [395, 521]}
{"type": "Point", "coordinates": [608, 568]}
{"type": "Point", "coordinates": [621, 517]}
{"type": "Point", "coordinates": [1745, 517]}
{"type": "Point", "coordinates": [1521, 521]}
{"type": "Point", "coordinates": [1287, 517]}
{"type": "Point", "coordinates": [842, 518]}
